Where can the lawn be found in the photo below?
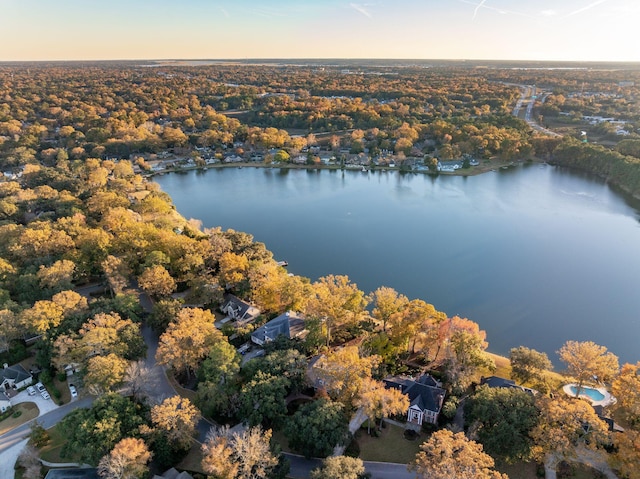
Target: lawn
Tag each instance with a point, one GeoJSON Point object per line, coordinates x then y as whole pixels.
{"type": "Point", "coordinates": [519, 470]}
{"type": "Point", "coordinates": [185, 393]}
{"type": "Point", "coordinates": [51, 452]}
{"type": "Point", "coordinates": [28, 411]}
{"type": "Point", "coordinates": [390, 446]}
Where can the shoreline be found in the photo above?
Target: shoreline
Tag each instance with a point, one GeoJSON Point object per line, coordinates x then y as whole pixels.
{"type": "Point", "coordinates": [471, 171]}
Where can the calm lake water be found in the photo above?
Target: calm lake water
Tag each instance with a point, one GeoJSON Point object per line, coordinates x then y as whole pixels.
{"type": "Point", "coordinates": [535, 254]}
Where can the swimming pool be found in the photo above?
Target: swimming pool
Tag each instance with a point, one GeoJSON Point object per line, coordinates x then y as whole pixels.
{"type": "Point", "coordinates": [593, 394]}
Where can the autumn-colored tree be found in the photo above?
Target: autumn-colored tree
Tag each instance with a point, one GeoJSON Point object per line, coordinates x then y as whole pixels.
{"type": "Point", "coordinates": [378, 401]}
{"type": "Point", "coordinates": [339, 467]}
{"type": "Point", "coordinates": [626, 388]}
{"type": "Point", "coordinates": [233, 269]}
{"type": "Point", "coordinates": [42, 316]}
{"type": "Point", "coordinates": [446, 455]}
{"type": "Point", "coordinates": [117, 273]}
{"type": "Point", "coordinates": [176, 418]}
{"type": "Point", "coordinates": [104, 373]}
{"type": "Point", "coordinates": [336, 301]}
{"type": "Point", "coordinates": [563, 424]}
{"type": "Point", "coordinates": [588, 361]}
{"type": "Point", "coordinates": [127, 460]}
{"type": "Point", "coordinates": [528, 365]}
{"type": "Point", "coordinates": [58, 276]}
{"type": "Point", "coordinates": [156, 281]}
{"type": "Point", "coordinates": [418, 320]}
{"type": "Point", "coordinates": [343, 373]}
{"type": "Point", "coordinates": [9, 328]}
{"type": "Point", "coordinates": [70, 302]}
{"type": "Point", "coordinates": [386, 302]}
{"type": "Point", "coordinates": [626, 457]}
{"type": "Point", "coordinates": [238, 455]}
{"type": "Point", "coordinates": [187, 340]}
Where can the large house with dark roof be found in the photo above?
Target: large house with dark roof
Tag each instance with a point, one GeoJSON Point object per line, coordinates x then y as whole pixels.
{"type": "Point", "coordinates": [14, 377]}
{"type": "Point", "coordinates": [237, 310]}
{"type": "Point", "coordinates": [290, 325]}
{"type": "Point", "coordinates": [498, 382]}
{"type": "Point", "coordinates": [425, 397]}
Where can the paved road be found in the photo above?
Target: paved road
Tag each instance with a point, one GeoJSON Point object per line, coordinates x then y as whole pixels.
{"type": "Point", "coordinates": [301, 467]}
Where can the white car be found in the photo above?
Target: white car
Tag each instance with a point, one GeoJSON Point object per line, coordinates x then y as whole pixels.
{"type": "Point", "coordinates": [73, 391]}
{"type": "Point", "coordinates": [31, 391]}
{"type": "Point", "coordinates": [43, 391]}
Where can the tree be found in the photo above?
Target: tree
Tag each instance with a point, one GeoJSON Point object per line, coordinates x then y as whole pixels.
{"type": "Point", "coordinates": [104, 373]}
{"type": "Point", "coordinates": [387, 302]}
{"type": "Point", "coordinates": [626, 457]}
{"type": "Point", "coordinates": [378, 401]}
{"type": "Point", "coordinates": [176, 418]}
{"type": "Point", "coordinates": [157, 282]}
{"type": "Point", "coordinates": [452, 456]}
{"type": "Point", "coordinates": [587, 361]}
{"type": "Point", "coordinates": [466, 352]}
{"type": "Point", "coordinates": [58, 276]}
{"type": "Point", "coordinates": [233, 269]}
{"type": "Point", "coordinates": [43, 316]}
{"type": "Point", "coordinates": [139, 379]}
{"type": "Point", "coordinates": [221, 364]}
{"type": "Point", "coordinates": [317, 428]}
{"type": "Point", "coordinates": [127, 460]}
{"type": "Point", "coordinates": [344, 371]}
{"type": "Point", "coordinates": [502, 419]}
{"type": "Point", "coordinates": [528, 365]}
{"type": "Point", "coordinates": [164, 312]}
{"type": "Point", "coordinates": [238, 455]}
{"type": "Point", "coordinates": [339, 467]}
{"type": "Point", "coordinates": [626, 388]}
{"type": "Point", "coordinates": [565, 423]}
{"type": "Point", "coordinates": [336, 301]}
{"type": "Point", "coordinates": [117, 273]}
{"type": "Point", "coordinates": [187, 340]}
{"type": "Point", "coordinates": [263, 399]}
{"type": "Point", "coordinates": [92, 433]}
{"type": "Point", "coordinates": [287, 363]}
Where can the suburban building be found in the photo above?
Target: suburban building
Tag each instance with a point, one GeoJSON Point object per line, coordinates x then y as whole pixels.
{"type": "Point", "coordinates": [237, 310]}
{"type": "Point", "coordinates": [498, 382]}
{"type": "Point", "coordinates": [78, 473]}
{"type": "Point", "coordinates": [5, 403]}
{"type": "Point", "coordinates": [14, 377]}
{"type": "Point", "coordinates": [425, 397]}
{"type": "Point", "coordinates": [290, 325]}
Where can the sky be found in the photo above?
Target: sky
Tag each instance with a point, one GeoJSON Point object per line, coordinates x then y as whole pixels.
{"type": "Point", "coordinates": [564, 30]}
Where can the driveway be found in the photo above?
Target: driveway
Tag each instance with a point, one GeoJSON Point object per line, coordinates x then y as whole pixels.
{"type": "Point", "coordinates": [8, 459]}
{"type": "Point", "coordinates": [44, 405]}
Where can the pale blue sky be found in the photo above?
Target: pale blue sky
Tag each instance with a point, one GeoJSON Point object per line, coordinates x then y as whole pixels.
{"type": "Point", "coordinates": [457, 29]}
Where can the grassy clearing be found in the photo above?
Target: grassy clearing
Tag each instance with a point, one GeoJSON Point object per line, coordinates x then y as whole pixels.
{"type": "Point", "coordinates": [390, 446]}
{"type": "Point", "coordinates": [28, 411]}
{"type": "Point", "coordinates": [280, 438]}
{"type": "Point", "coordinates": [51, 452]}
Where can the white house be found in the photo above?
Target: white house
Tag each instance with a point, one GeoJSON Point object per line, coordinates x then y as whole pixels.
{"type": "Point", "coordinates": [4, 402]}
{"type": "Point", "coordinates": [14, 377]}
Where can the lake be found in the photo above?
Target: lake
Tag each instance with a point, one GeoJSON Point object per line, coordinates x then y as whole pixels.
{"type": "Point", "coordinates": [535, 254]}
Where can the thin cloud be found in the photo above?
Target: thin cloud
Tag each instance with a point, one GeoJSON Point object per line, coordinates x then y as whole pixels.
{"type": "Point", "coordinates": [548, 13]}
{"type": "Point", "coordinates": [585, 8]}
{"type": "Point", "coordinates": [362, 9]}
{"type": "Point", "coordinates": [224, 12]}
{"type": "Point", "coordinates": [480, 5]}
{"type": "Point", "coordinates": [501, 11]}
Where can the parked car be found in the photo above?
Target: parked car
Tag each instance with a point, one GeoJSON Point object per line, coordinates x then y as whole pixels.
{"type": "Point", "coordinates": [43, 391]}
{"type": "Point", "coordinates": [73, 391]}
{"type": "Point", "coordinates": [31, 391]}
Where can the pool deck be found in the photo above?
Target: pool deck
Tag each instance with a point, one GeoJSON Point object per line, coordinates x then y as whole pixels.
{"type": "Point", "coordinates": [606, 401]}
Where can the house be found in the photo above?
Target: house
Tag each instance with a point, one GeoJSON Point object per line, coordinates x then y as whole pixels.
{"type": "Point", "coordinates": [290, 325]}
{"type": "Point", "coordinates": [174, 474]}
{"type": "Point", "coordinates": [79, 473]}
{"type": "Point", "coordinates": [5, 403]}
{"type": "Point", "coordinates": [613, 426]}
{"type": "Point", "coordinates": [498, 382]}
{"type": "Point", "coordinates": [237, 310]}
{"type": "Point", "coordinates": [14, 377]}
{"type": "Point", "coordinates": [425, 397]}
